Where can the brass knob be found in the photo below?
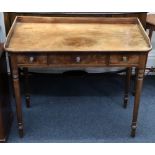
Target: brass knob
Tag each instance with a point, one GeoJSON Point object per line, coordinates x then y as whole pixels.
{"type": "Point", "coordinates": [78, 59]}
{"type": "Point", "coordinates": [31, 59]}
{"type": "Point", "coordinates": [124, 59]}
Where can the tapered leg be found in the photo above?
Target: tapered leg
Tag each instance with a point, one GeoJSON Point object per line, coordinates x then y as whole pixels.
{"type": "Point", "coordinates": [15, 76]}
{"type": "Point", "coordinates": [139, 83]}
{"type": "Point", "coordinates": [127, 86]}
{"type": "Point", "coordinates": [27, 94]}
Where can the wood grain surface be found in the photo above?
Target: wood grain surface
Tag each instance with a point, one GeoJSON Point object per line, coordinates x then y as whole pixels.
{"type": "Point", "coordinates": [81, 34]}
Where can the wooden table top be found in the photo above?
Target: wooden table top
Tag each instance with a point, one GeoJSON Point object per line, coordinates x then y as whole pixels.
{"type": "Point", "coordinates": [34, 34]}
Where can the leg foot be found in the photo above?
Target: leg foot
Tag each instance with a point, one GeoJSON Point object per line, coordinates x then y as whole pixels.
{"type": "Point", "coordinates": [20, 130]}
{"type": "Point", "coordinates": [133, 130]}
{"type": "Point", "coordinates": [125, 102]}
{"type": "Point", "coordinates": [27, 101]}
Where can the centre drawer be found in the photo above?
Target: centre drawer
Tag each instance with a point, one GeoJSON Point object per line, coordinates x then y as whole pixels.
{"type": "Point", "coordinates": [76, 59]}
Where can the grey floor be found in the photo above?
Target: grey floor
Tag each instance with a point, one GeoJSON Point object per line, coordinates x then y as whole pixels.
{"type": "Point", "coordinates": [84, 109]}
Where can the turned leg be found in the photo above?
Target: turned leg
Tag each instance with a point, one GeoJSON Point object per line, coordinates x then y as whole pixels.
{"type": "Point", "coordinates": [127, 86]}
{"type": "Point", "coordinates": [15, 76]}
{"type": "Point", "coordinates": [27, 94]}
{"type": "Point", "coordinates": [139, 83]}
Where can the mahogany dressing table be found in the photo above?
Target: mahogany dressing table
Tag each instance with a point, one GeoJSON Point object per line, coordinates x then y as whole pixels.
{"type": "Point", "coordinates": [77, 42]}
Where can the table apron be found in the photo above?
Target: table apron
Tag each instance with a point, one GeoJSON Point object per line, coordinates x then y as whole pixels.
{"type": "Point", "coordinates": [78, 59]}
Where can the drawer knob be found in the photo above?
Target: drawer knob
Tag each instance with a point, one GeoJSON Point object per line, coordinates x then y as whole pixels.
{"type": "Point", "coordinates": [124, 59]}
{"type": "Point", "coordinates": [78, 59]}
{"type": "Point", "coordinates": [31, 59]}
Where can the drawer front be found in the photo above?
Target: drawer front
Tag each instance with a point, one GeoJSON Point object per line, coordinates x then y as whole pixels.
{"type": "Point", "coordinates": [124, 59]}
{"type": "Point", "coordinates": [76, 59]}
{"type": "Point", "coordinates": [32, 59]}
